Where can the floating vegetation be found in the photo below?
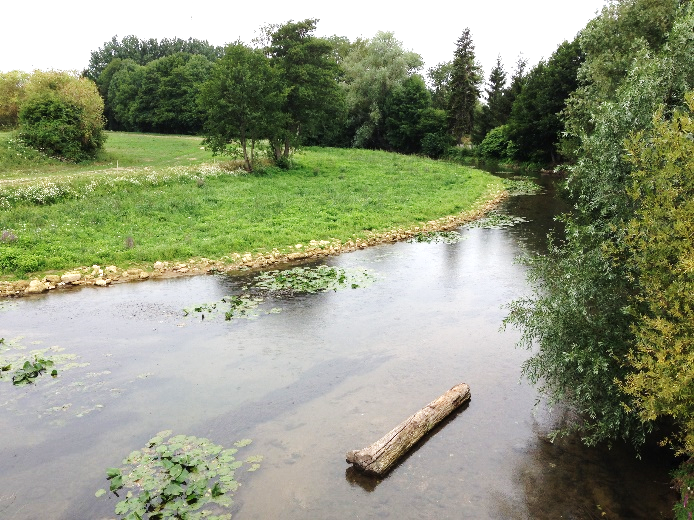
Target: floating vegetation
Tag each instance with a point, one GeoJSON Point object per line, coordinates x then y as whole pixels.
{"type": "Point", "coordinates": [436, 237]}
{"type": "Point", "coordinates": [496, 220]}
{"type": "Point", "coordinates": [24, 368]}
{"type": "Point", "coordinates": [178, 477]}
{"type": "Point", "coordinates": [233, 307]}
{"type": "Point", "coordinates": [313, 279]}
{"type": "Point", "coordinates": [59, 397]}
{"type": "Point", "coordinates": [521, 186]}
{"type": "Point", "coordinates": [281, 283]}
{"type": "Point", "coordinates": [30, 371]}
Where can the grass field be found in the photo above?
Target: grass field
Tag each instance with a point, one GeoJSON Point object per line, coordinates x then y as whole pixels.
{"type": "Point", "coordinates": [168, 201]}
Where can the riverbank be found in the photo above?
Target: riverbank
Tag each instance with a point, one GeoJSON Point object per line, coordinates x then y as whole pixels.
{"type": "Point", "coordinates": [141, 222]}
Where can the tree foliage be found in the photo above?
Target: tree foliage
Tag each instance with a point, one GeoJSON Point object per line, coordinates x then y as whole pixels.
{"type": "Point", "coordinates": [307, 73]}
{"type": "Point", "coordinates": [659, 250]}
{"type": "Point", "coordinates": [466, 78]}
{"type": "Point", "coordinates": [440, 84]}
{"type": "Point", "coordinates": [242, 102]}
{"type": "Point", "coordinates": [497, 108]}
{"type": "Point", "coordinates": [371, 71]}
{"type": "Point", "coordinates": [12, 94]}
{"type": "Point", "coordinates": [62, 115]}
{"type": "Point", "coordinates": [144, 51]}
{"type": "Point", "coordinates": [591, 296]}
{"type": "Point", "coordinates": [404, 108]}
{"type": "Point", "coordinates": [535, 124]}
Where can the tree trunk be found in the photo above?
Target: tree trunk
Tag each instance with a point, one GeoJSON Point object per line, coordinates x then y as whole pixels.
{"type": "Point", "coordinates": [378, 458]}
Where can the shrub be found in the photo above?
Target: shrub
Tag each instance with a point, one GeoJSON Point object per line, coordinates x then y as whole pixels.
{"type": "Point", "coordinates": [436, 145]}
{"type": "Point", "coordinates": [496, 144]}
{"type": "Point", "coordinates": [62, 115]}
{"type": "Point", "coordinates": [53, 127]}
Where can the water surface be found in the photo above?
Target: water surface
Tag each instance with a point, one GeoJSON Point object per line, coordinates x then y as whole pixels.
{"type": "Point", "coordinates": [330, 373]}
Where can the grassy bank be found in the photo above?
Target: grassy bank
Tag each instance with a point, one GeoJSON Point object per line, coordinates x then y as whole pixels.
{"type": "Point", "coordinates": [168, 205]}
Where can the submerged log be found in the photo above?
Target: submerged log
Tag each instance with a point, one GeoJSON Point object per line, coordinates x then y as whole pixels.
{"type": "Point", "coordinates": [378, 458]}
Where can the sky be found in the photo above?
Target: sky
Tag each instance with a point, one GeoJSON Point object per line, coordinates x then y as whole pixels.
{"type": "Point", "coordinates": [61, 35]}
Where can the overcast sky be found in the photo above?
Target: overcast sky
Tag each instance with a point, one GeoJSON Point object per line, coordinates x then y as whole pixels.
{"type": "Point", "coordinates": [60, 35]}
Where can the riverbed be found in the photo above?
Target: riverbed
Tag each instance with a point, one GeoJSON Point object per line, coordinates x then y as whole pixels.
{"type": "Point", "coordinates": [309, 378]}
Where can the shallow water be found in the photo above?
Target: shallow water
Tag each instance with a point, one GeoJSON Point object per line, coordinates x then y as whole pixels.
{"type": "Point", "coordinates": [330, 373]}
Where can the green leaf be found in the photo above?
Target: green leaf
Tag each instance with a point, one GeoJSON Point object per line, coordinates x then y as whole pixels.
{"type": "Point", "coordinates": [217, 490]}
{"type": "Point", "coordinates": [173, 490]}
{"type": "Point", "coordinates": [116, 483]}
{"type": "Point", "coordinates": [113, 472]}
{"type": "Point", "coordinates": [100, 493]}
{"type": "Point", "coordinates": [122, 507]}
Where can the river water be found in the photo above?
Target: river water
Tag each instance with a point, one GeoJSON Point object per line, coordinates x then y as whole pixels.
{"type": "Point", "coordinates": [329, 373]}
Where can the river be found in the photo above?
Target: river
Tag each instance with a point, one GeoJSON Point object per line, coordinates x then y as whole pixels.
{"type": "Point", "coordinates": [323, 374]}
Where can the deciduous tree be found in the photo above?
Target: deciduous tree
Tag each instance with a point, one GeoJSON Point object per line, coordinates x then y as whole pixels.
{"type": "Point", "coordinates": [242, 102]}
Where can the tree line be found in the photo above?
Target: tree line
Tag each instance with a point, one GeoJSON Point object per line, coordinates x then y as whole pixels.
{"type": "Point", "coordinates": [365, 93]}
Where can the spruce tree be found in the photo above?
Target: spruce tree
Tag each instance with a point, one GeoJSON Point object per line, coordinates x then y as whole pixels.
{"type": "Point", "coordinates": [464, 87]}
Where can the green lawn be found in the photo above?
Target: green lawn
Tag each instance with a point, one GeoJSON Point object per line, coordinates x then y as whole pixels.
{"type": "Point", "coordinates": [169, 205]}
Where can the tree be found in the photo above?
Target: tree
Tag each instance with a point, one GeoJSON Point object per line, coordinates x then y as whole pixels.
{"type": "Point", "coordinates": [62, 115]}
{"type": "Point", "coordinates": [371, 71]}
{"type": "Point", "coordinates": [496, 110]}
{"type": "Point", "coordinates": [535, 125]}
{"type": "Point", "coordinates": [144, 51]}
{"type": "Point", "coordinates": [589, 318]}
{"type": "Point", "coordinates": [308, 77]}
{"type": "Point", "coordinates": [403, 112]}
{"type": "Point", "coordinates": [440, 81]}
{"type": "Point", "coordinates": [11, 96]}
{"type": "Point", "coordinates": [466, 78]}
{"type": "Point", "coordinates": [659, 251]}
{"type": "Point", "coordinates": [122, 93]}
{"type": "Point", "coordinates": [242, 102]}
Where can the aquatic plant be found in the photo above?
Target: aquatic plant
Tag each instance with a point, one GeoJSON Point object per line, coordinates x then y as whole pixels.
{"type": "Point", "coordinates": [496, 220]}
{"type": "Point", "coordinates": [313, 279]}
{"type": "Point", "coordinates": [179, 477]}
{"type": "Point", "coordinates": [30, 371]}
{"type": "Point", "coordinates": [233, 307]}
{"type": "Point", "coordinates": [444, 237]}
{"type": "Point", "coordinates": [521, 186]}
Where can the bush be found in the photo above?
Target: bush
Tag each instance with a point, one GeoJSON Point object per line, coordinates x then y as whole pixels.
{"type": "Point", "coordinates": [436, 145]}
{"type": "Point", "coordinates": [62, 116]}
{"type": "Point", "coordinates": [496, 144]}
{"type": "Point", "coordinates": [52, 126]}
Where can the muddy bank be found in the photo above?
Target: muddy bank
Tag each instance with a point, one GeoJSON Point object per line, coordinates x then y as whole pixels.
{"type": "Point", "coordinates": [99, 276]}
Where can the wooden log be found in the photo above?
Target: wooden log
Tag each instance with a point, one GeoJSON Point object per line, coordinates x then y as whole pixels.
{"type": "Point", "coordinates": [380, 457]}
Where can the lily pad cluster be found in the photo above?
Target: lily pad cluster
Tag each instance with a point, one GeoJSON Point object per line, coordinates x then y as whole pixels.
{"type": "Point", "coordinates": [234, 307]}
{"type": "Point", "coordinates": [20, 368]}
{"type": "Point", "coordinates": [313, 279]}
{"type": "Point", "coordinates": [521, 186]}
{"type": "Point", "coordinates": [288, 282]}
{"type": "Point", "coordinates": [179, 477]}
{"type": "Point", "coordinates": [496, 220]}
{"type": "Point", "coordinates": [436, 237]}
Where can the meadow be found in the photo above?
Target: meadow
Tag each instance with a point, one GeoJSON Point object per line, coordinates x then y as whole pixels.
{"type": "Point", "coordinates": [155, 198]}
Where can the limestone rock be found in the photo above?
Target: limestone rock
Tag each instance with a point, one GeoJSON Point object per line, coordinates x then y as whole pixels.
{"type": "Point", "coordinates": [52, 278]}
{"type": "Point", "coordinates": [36, 287]}
{"type": "Point", "coordinates": [70, 277]}
{"type": "Point", "coordinates": [102, 282]}
{"type": "Point", "coordinates": [144, 275]}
